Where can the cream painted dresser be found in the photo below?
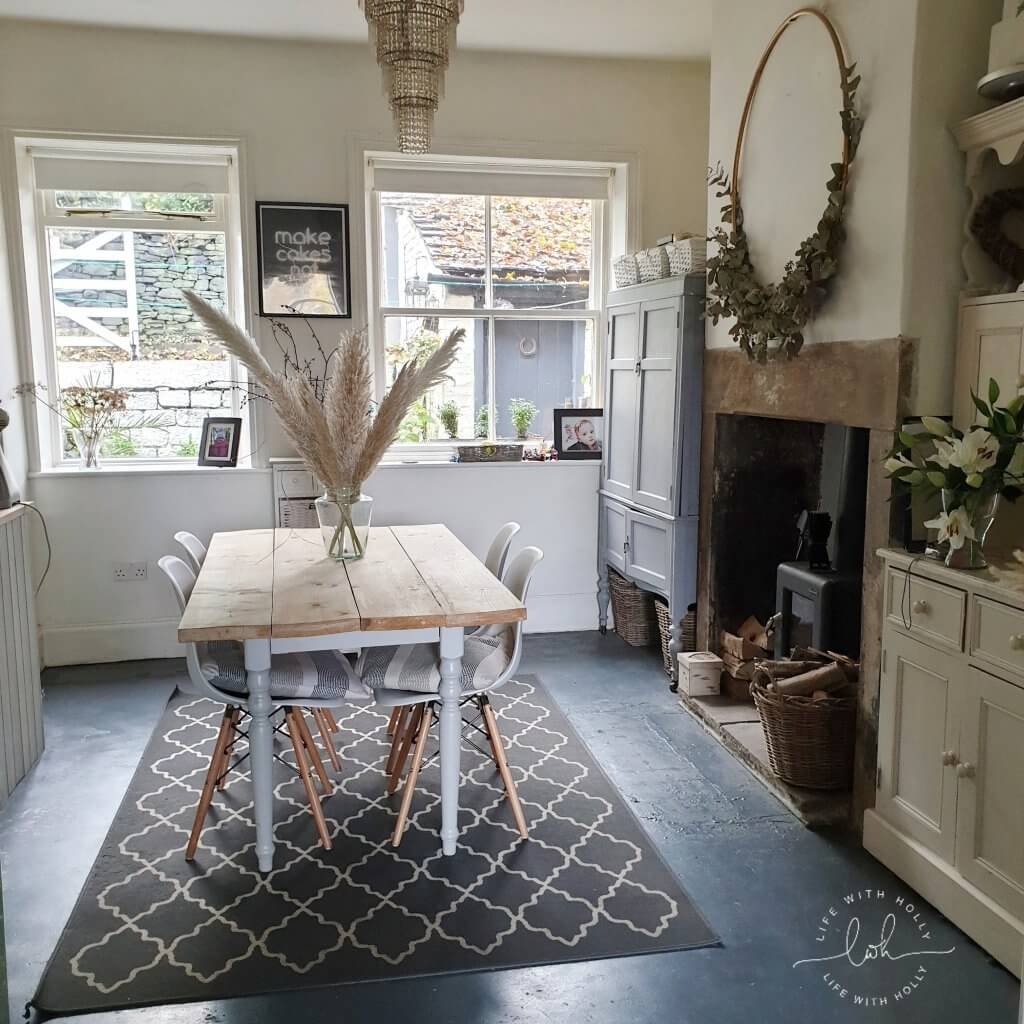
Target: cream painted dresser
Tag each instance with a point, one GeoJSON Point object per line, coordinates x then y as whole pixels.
{"type": "Point", "coordinates": [949, 813]}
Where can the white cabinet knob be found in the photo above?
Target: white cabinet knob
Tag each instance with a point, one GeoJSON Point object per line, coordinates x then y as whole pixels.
{"type": "Point", "coordinates": [920, 607]}
{"type": "Point", "coordinates": [949, 757]}
{"type": "Point", "coordinates": [965, 770]}
{"type": "Point", "coordinates": [1017, 642]}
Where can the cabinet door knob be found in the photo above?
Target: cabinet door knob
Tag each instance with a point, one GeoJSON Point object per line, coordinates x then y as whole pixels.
{"type": "Point", "coordinates": [965, 770]}
{"type": "Point", "coordinates": [949, 757]}
{"type": "Point", "coordinates": [1017, 642]}
{"type": "Point", "coordinates": [921, 607]}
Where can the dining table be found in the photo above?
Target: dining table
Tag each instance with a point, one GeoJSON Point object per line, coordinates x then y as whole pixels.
{"type": "Point", "coordinates": [276, 591]}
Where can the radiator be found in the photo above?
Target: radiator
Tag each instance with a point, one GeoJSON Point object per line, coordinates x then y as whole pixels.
{"type": "Point", "coordinates": [21, 717]}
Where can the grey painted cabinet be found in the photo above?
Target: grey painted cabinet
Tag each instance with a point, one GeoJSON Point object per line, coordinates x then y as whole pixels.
{"type": "Point", "coordinates": [651, 471]}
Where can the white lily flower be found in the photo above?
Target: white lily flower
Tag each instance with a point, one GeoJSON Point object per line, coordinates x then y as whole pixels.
{"type": "Point", "coordinates": [953, 526]}
{"type": "Point", "coordinates": [975, 452]}
{"type": "Point", "coordinates": [944, 452]}
{"type": "Point", "coordinates": [898, 462]}
{"type": "Point", "coordinates": [936, 426]}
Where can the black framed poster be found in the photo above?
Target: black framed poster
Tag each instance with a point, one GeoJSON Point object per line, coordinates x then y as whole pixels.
{"type": "Point", "coordinates": [303, 259]}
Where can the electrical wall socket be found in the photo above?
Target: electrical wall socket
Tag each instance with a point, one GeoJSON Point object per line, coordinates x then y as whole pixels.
{"type": "Point", "coordinates": [131, 572]}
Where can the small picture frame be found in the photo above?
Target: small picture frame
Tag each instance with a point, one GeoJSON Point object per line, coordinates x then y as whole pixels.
{"type": "Point", "coordinates": [579, 433]}
{"type": "Point", "coordinates": [303, 253]}
{"type": "Point", "coordinates": [218, 445]}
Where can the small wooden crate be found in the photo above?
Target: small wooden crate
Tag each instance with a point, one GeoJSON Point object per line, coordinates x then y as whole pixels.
{"type": "Point", "coordinates": [633, 610]}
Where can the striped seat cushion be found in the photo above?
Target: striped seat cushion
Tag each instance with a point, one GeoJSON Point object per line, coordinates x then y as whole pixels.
{"type": "Point", "coordinates": [318, 675]}
{"type": "Point", "coordinates": [416, 667]}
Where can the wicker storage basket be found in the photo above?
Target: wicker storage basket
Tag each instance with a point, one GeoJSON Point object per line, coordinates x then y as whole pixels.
{"type": "Point", "coordinates": [687, 256]}
{"type": "Point", "coordinates": [688, 628]}
{"type": "Point", "coordinates": [665, 632]}
{"type": "Point", "coordinates": [485, 452]}
{"type": "Point", "coordinates": [653, 263]}
{"type": "Point", "coordinates": [626, 271]}
{"type": "Point", "coordinates": [633, 609]}
{"type": "Point", "coordinates": [810, 742]}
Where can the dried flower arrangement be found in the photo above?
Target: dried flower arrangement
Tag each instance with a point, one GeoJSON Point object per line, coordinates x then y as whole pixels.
{"type": "Point", "coordinates": [336, 431]}
{"type": "Point", "coordinates": [90, 410]}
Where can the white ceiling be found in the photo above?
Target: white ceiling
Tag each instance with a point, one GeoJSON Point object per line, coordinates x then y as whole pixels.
{"type": "Point", "coordinates": [661, 29]}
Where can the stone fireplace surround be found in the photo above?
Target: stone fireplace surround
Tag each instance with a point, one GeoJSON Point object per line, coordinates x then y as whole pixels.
{"type": "Point", "coordinates": [852, 383]}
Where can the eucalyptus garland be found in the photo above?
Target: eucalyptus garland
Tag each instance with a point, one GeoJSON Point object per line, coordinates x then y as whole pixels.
{"type": "Point", "coordinates": [777, 313]}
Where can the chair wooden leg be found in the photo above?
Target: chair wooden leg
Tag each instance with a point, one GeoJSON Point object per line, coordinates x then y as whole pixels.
{"type": "Point", "coordinates": [332, 722]}
{"type": "Point", "coordinates": [293, 717]}
{"type": "Point", "coordinates": [403, 751]}
{"type": "Point", "coordinates": [314, 754]}
{"type": "Point", "coordinates": [397, 735]}
{"type": "Point", "coordinates": [491, 724]}
{"type": "Point", "coordinates": [210, 783]}
{"type": "Point", "coordinates": [225, 761]}
{"type": "Point", "coordinates": [396, 713]}
{"type": "Point", "coordinates": [414, 771]}
{"type": "Point", "coordinates": [324, 728]}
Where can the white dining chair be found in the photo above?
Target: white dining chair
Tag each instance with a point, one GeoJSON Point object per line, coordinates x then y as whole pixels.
{"type": "Point", "coordinates": [195, 549]}
{"type": "Point", "coordinates": [408, 678]}
{"type": "Point", "coordinates": [314, 682]}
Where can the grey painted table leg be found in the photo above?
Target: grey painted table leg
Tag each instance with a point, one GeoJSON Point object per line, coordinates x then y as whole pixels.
{"type": "Point", "coordinates": [450, 692]}
{"type": "Point", "coordinates": [261, 747]}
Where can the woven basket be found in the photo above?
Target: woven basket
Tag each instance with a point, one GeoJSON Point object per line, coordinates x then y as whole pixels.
{"type": "Point", "coordinates": [665, 631]}
{"type": "Point", "coordinates": [810, 743]}
{"type": "Point", "coordinates": [652, 263]}
{"type": "Point", "coordinates": [688, 628]}
{"type": "Point", "coordinates": [626, 271]}
{"type": "Point", "coordinates": [633, 610]}
{"type": "Point", "coordinates": [485, 452]}
{"type": "Point", "coordinates": [687, 256]}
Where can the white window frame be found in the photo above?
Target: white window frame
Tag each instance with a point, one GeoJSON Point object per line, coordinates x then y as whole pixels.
{"type": "Point", "coordinates": [38, 212]}
{"type": "Point", "coordinates": [415, 176]}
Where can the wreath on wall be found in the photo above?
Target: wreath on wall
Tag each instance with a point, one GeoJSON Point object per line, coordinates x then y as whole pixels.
{"type": "Point", "coordinates": [987, 228]}
{"type": "Point", "coordinates": [770, 318]}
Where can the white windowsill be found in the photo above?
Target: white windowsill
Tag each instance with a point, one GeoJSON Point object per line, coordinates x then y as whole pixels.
{"type": "Point", "coordinates": [145, 469]}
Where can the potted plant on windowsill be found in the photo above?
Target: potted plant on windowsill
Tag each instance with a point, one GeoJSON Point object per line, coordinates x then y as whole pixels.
{"type": "Point", "coordinates": [523, 412]}
{"type": "Point", "coordinates": [972, 470]}
{"type": "Point", "coordinates": [337, 431]}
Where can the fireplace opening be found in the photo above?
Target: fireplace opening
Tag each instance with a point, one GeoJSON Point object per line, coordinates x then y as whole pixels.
{"type": "Point", "coordinates": [787, 529]}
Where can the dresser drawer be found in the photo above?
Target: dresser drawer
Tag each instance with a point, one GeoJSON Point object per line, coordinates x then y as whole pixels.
{"type": "Point", "coordinates": [997, 634]}
{"type": "Point", "coordinates": [930, 611]}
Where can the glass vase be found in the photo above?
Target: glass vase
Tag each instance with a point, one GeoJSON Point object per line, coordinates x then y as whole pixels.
{"type": "Point", "coordinates": [981, 513]}
{"type": "Point", "coordinates": [344, 518]}
{"type": "Point", "coordinates": [88, 445]}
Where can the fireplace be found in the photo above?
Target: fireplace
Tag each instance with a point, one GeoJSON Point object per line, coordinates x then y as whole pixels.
{"type": "Point", "coordinates": [862, 384]}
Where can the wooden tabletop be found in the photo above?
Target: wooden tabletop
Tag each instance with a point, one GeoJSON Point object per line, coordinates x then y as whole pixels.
{"type": "Point", "coordinates": [257, 584]}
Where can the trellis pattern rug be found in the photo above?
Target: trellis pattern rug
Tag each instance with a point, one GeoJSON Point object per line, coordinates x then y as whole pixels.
{"type": "Point", "coordinates": [150, 928]}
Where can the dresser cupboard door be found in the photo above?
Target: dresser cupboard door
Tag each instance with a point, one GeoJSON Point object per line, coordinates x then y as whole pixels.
{"type": "Point", "coordinates": [621, 399]}
{"type": "Point", "coordinates": [648, 550]}
{"type": "Point", "coordinates": [990, 347]}
{"type": "Point", "coordinates": [613, 533]}
{"type": "Point", "coordinates": [917, 734]}
{"type": "Point", "coordinates": [990, 808]}
{"type": "Point", "coordinates": [656, 414]}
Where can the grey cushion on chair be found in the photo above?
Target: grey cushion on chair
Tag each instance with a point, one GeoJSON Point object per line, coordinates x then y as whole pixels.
{"type": "Point", "coordinates": [319, 675]}
{"type": "Point", "coordinates": [416, 667]}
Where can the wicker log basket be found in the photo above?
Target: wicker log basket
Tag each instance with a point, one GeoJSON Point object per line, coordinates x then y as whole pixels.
{"type": "Point", "coordinates": [810, 739]}
{"type": "Point", "coordinates": [665, 633]}
{"type": "Point", "coordinates": [633, 610]}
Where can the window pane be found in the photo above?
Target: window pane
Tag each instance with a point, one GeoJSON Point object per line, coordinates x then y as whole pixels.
{"type": "Point", "coordinates": [432, 250]}
{"type": "Point", "coordinates": [162, 202]}
{"type": "Point", "coordinates": [408, 337]}
{"type": "Point", "coordinates": [540, 252]}
{"type": "Point", "coordinates": [119, 318]}
{"type": "Point", "coordinates": [547, 362]}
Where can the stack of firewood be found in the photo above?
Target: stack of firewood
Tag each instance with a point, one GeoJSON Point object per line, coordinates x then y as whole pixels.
{"type": "Point", "coordinates": [740, 653]}
{"type": "Point", "coordinates": [809, 673]}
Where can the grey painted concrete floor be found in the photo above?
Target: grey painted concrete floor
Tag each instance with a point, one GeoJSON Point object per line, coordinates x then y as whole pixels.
{"type": "Point", "coordinates": [759, 877]}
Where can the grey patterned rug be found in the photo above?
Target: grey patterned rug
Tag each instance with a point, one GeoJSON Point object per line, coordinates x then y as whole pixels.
{"type": "Point", "coordinates": [149, 928]}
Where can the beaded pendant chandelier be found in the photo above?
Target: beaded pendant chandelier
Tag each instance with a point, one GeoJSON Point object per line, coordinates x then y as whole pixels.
{"type": "Point", "coordinates": [413, 39]}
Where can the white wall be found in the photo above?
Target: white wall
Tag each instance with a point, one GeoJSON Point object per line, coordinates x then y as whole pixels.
{"type": "Point", "coordinates": [14, 438]}
{"type": "Point", "coordinates": [302, 110]}
{"type": "Point", "coordinates": [919, 62]}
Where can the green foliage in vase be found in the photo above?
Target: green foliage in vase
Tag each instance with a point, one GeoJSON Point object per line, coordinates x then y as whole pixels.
{"type": "Point", "coordinates": [968, 467]}
{"type": "Point", "coordinates": [522, 412]}
{"type": "Point", "coordinates": [119, 445]}
{"type": "Point", "coordinates": [448, 414]}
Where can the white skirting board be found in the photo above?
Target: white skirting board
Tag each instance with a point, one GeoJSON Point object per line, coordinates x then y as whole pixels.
{"type": "Point", "coordinates": [21, 717]}
{"type": "Point", "coordinates": [96, 644]}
